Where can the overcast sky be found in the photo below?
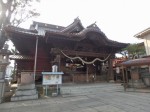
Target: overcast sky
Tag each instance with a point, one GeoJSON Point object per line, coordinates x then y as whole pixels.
{"type": "Point", "coordinates": [120, 20]}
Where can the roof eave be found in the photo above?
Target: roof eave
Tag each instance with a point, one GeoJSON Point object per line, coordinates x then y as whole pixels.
{"type": "Point", "coordinates": [142, 33]}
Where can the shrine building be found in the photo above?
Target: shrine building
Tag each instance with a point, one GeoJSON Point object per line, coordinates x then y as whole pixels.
{"type": "Point", "coordinates": [83, 54]}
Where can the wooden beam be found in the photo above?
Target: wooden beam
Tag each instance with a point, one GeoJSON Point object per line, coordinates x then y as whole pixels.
{"type": "Point", "coordinates": [78, 53]}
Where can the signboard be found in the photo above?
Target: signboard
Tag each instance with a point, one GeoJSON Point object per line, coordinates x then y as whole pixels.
{"type": "Point", "coordinates": [52, 78]}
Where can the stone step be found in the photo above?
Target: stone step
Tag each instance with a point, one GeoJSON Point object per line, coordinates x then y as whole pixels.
{"type": "Point", "coordinates": [25, 92]}
{"type": "Point", "coordinates": [8, 93]}
{"type": "Point", "coordinates": [20, 98]}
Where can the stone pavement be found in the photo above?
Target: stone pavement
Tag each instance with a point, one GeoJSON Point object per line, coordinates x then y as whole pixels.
{"type": "Point", "coordinates": [101, 97]}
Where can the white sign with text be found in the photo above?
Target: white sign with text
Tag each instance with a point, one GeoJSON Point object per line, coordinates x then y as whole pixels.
{"type": "Point", "coordinates": [52, 78]}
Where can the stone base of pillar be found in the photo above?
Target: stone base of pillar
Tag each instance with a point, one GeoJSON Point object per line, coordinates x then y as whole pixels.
{"type": "Point", "coordinates": [136, 84]}
{"type": "Point", "coordinates": [111, 81]}
{"type": "Point", "coordinates": [25, 92]}
{"type": "Point", "coordinates": [7, 93]}
{"type": "Point", "coordinates": [2, 86]}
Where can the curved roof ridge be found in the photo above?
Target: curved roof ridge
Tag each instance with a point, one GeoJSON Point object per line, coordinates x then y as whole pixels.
{"type": "Point", "coordinates": [88, 29]}
{"type": "Point", "coordinates": [82, 35]}
{"type": "Point", "coordinates": [73, 25]}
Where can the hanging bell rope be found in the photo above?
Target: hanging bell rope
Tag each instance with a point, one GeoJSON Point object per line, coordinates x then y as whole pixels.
{"type": "Point", "coordinates": [83, 61]}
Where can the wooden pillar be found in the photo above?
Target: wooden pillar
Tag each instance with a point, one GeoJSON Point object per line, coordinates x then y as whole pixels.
{"type": "Point", "coordinates": [111, 74]}
{"type": "Point", "coordinates": [126, 74]}
{"type": "Point", "coordinates": [35, 57]}
{"type": "Point", "coordinates": [59, 63]}
{"type": "Point", "coordinates": [124, 84]}
{"type": "Point", "coordinates": [87, 73]}
{"type": "Point", "coordinates": [95, 74]}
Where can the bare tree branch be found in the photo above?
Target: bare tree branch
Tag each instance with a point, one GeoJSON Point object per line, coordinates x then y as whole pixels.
{"type": "Point", "coordinates": [15, 12]}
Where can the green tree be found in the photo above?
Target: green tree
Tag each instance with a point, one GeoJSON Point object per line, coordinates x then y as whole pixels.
{"type": "Point", "coordinates": [14, 12]}
{"type": "Point", "coordinates": [135, 50]}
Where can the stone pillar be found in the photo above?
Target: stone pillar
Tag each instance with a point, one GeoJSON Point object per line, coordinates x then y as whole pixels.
{"type": "Point", "coordinates": [57, 61]}
{"type": "Point", "coordinates": [4, 85]}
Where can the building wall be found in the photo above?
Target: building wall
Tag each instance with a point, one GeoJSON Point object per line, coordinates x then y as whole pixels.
{"type": "Point", "coordinates": [147, 43]}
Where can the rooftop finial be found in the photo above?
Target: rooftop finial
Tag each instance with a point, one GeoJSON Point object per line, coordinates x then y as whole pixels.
{"type": "Point", "coordinates": [77, 18]}
{"type": "Point", "coordinates": [93, 25]}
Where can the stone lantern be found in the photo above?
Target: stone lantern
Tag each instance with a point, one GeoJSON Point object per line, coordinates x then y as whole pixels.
{"type": "Point", "coordinates": [4, 61]}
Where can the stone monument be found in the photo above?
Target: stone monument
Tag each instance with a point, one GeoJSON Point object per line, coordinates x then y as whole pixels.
{"type": "Point", "coordinates": [26, 89]}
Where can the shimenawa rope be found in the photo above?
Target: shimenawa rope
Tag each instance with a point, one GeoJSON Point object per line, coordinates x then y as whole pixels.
{"type": "Point", "coordinates": [83, 61]}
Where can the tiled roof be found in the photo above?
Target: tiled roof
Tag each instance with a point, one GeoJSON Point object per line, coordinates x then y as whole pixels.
{"type": "Point", "coordinates": [20, 57]}
{"type": "Point", "coordinates": [49, 26]}
{"type": "Point", "coordinates": [137, 62]}
{"type": "Point", "coordinates": [74, 36]}
{"type": "Point", "coordinates": [82, 35]}
{"type": "Point", "coordinates": [64, 34]}
{"type": "Point", "coordinates": [21, 30]}
{"type": "Point", "coordinates": [42, 27]}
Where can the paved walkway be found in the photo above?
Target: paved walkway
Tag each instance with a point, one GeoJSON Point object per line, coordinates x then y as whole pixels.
{"type": "Point", "coordinates": [86, 98]}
